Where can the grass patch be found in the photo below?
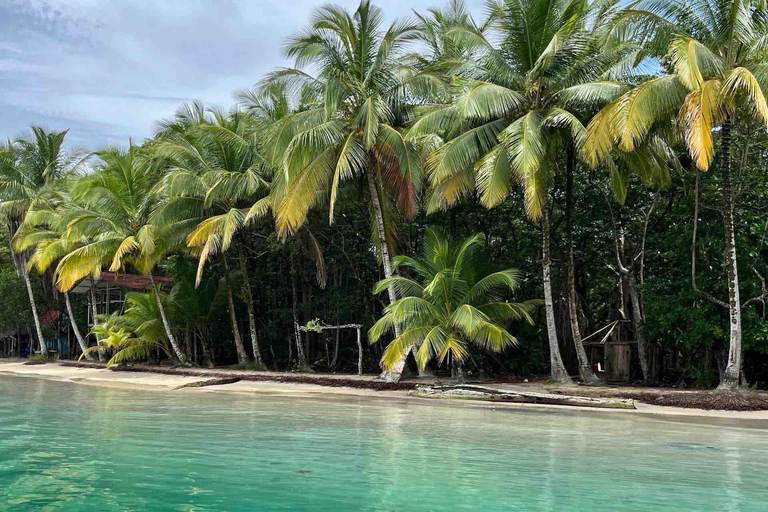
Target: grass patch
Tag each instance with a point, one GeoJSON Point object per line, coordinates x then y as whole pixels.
{"type": "Point", "coordinates": [38, 359]}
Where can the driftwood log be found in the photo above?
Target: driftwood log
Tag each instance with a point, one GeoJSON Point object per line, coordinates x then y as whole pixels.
{"type": "Point", "coordinates": [471, 392]}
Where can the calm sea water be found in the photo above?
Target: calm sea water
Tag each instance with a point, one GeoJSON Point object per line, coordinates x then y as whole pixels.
{"type": "Point", "coordinates": [65, 446]}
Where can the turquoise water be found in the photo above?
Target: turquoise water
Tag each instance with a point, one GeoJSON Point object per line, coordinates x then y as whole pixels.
{"type": "Point", "coordinates": [65, 446]}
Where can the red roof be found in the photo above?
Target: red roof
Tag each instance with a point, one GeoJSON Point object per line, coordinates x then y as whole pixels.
{"type": "Point", "coordinates": [50, 317]}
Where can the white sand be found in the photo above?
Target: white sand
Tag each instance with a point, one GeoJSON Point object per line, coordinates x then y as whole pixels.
{"type": "Point", "coordinates": [162, 382]}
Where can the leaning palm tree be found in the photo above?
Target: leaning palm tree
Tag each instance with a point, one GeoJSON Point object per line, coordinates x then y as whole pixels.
{"type": "Point", "coordinates": [44, 231]}
{"type": "Point", "coordinates": [364, 82]}
{"type": "Point", "coordinates": [27, 165]}
{"type": "Point", "coordinates": [113, 227]}
{"type": "Point", "coordinates": [455, 301]}
{"type": "Point", "coordinates": [716, 51]}
{"type": "Point", "coordinates": [517, 106]}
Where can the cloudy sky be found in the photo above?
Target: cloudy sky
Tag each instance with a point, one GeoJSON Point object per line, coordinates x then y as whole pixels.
{"type": "Point", "coordinates": [107, 69]}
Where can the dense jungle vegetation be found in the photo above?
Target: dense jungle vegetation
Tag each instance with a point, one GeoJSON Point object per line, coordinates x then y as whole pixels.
{"type": "Point", "coordinates": [482, 195]}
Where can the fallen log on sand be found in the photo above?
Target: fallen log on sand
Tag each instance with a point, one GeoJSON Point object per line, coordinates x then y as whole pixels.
{"type": "Point", "coordinates": [471, 392]}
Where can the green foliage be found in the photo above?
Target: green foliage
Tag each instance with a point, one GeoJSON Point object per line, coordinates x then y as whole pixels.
{"type": "Point", "coordinates": [39, 359]}
{"type": "Point", "coordinates": [135, 335]}
{"type": "Point", "coordinates": [454, 300]}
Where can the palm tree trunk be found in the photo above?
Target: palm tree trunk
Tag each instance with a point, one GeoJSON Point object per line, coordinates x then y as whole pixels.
{"type": "Point", "coordinates": [557, 369]}
{"type": "Point", "coordinates": [80, 340]}
{"type": "Point", "coordinates": [249, 303]}
{"type": "Point", "coordinates": [396, 372]}
{"type": "Point", "coordinates": [730, 378]}
{"type": "Point", "coordinates": [171, 338]}
{"type": "Point", "coordinates": [585, 369]}
{"type": "Point", "coordinates": [38, 328]}
{"type": "Point", "coordinates": [242, 356]}
{"type": "Point", "coordinates": [294, 310]}
{"type": "Point", "coordinates": [94, 312]}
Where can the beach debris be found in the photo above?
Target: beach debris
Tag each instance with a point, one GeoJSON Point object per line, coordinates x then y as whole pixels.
{"type": "Point", "coordinates": [472, 392]}
{"type": "Point", "coordinates": [209, 382]}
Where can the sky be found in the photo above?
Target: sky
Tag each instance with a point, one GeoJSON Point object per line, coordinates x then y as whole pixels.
{"type": "Point", "coordinates": [108, 69]}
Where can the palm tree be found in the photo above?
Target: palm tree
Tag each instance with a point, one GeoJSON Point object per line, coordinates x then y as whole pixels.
{"type": "Point", "coordinates": [454, 301]}
{"type": "Point", "coordinates": [136, 334]}
{"type": "Point", "coordinates": [216, 171]}
{"type": "Point", "coordinates": [45, 231]}
{"type": "Point", "coordinates": [364, 81]}
{"type": "Point", "coordinates": [515, 109]}
{"type": "Point", "coordinates": [716, 52]}
{"type": "Point", "coordinates": [27, 165]}
{"type": "Point", "coordinates": [113, 228]}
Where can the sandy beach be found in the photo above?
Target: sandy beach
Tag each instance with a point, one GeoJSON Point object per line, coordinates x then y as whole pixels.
{"type": "Point", "coordinates": [171, 383]}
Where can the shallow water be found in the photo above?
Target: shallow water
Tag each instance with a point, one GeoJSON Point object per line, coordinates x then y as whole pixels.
{"type": "Point", "coordinates": [65, 446]}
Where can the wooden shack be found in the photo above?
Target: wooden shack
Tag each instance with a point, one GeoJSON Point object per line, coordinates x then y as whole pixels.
{"type": "Point", "coordinates": [610, 357]}
{"type": "Point", "coordinates": [107, 294]}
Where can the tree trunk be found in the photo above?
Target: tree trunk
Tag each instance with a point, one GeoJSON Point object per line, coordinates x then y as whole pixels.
{"type": "Point", "coordinates": [585, 369]}
{"type": "Point", "coordinates": [242, 356]}
{"type": "Point", "coordinates": [38, 328]}
{"type": "Point", "coordinates": [335, 359]}
{"type": "Point", "coordinates": [171, 338]}
{"type": "Point", "coordinates": [207, 355]}
{"type": "Point", "coordinates": [395, 373]}
{"type": "Point", "coordinates": [80, 340]}
{"type": "Point", "coordinates": [12, 226]}
{"type": "Point", "coordinates": [557, 369]}
{"type": "Point", "coordinates": [249, 303]}
{"type": "Point", "coordinates": [299, 348]}
{"type": "Point", "coordinates": [638, 324]}
{"type": "Point", "coordinates": [730, 379]}
{"type": "Point", "coordinates": [94, 312]}
{"type": "Point", "coordinates": [359, 353]}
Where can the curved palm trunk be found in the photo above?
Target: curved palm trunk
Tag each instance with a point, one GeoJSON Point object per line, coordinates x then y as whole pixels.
{"type": "Point", "coordinates": [585, 369]}
{"type": "Point", "coordinates": [75, 328]}
{"type": "Point", "coordinates": [251, 313]}
{"type": "Point", "coordinates": [557, 369]}
{"type": "Point", "coordinates": [242, 356]}
{"type": "Point", "coordinates": [38, 328]}
{"type": "Point", "coordinates": [171, 338]}
{"type": "Point", "coordinates": [730, 378]}
{"type": "Point", "coordinates": [396, 372]}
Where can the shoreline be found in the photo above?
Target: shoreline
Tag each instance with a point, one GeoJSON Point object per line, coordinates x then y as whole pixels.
{"type": "Point", "coordinates": [270, 385]}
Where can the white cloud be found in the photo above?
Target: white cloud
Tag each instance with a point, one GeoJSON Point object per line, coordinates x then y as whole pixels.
{"type": "Point", "coordinates": [111, 68]}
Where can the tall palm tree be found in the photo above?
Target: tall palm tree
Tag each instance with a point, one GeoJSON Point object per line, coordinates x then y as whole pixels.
{"type": "Point", "coordinates": [27, 165]}
{"type": "Point", "coordinates": [216, 172]}
{"type": "Point", "coordinates": [364, 82]}
{"type": "Point", "coordinates": [715, 50]}
{"type": "Point", "coordinates": [113, 228]}
{"type": "Point", "coordinates": [517, 106]}
{"type": "Point", "coordinates": [454, 301]}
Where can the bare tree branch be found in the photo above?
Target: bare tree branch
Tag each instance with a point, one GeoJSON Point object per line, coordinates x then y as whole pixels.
{"type": "Point", "coordinates": [760, 297]}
